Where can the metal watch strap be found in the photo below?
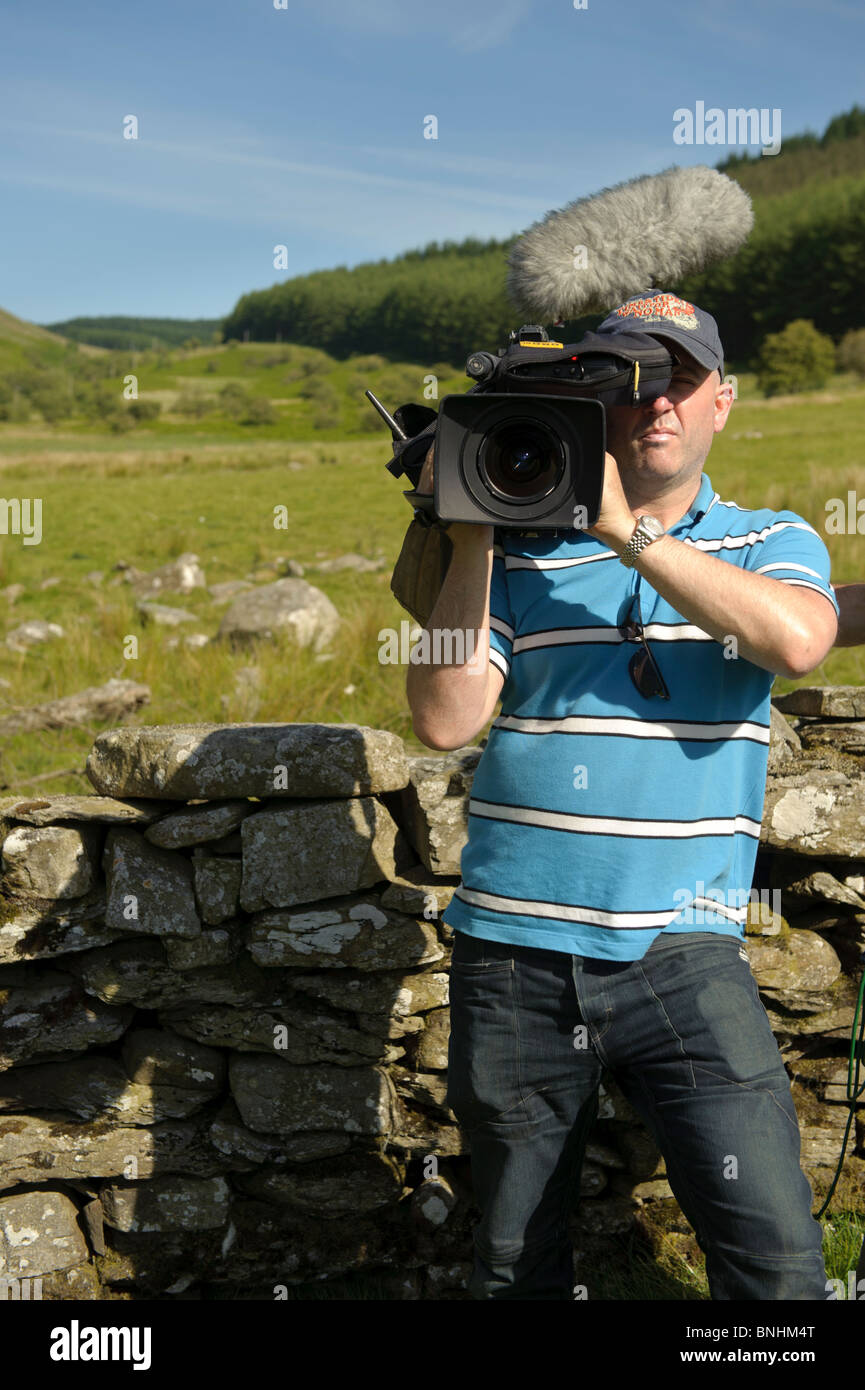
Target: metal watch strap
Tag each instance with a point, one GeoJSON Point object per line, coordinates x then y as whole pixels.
{"type": "Point", "coordinates": [638, 542]}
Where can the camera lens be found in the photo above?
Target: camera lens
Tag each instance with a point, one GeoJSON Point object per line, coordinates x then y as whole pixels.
{"type": "Point", "coordinates": [521, 460]}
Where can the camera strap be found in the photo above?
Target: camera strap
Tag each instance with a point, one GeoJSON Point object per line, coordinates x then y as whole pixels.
{"type": "Point", "coordinates": [620, 369]}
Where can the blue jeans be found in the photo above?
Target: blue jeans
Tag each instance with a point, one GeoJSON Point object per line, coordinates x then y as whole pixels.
{"type": "Point", "coordinates": [687, 1039]}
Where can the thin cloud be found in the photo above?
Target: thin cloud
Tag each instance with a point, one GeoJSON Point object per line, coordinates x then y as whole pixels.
{"type": "Point", "coordinates": [215, 153]}
{"type": "Point", "coordinates": [298, 208]}
{"type": "Point", "coordinates": [469, 28]}
{"type": "Point", "coordinates": [472, 164]}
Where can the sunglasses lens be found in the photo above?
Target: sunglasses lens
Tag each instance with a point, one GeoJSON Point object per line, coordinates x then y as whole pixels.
{"type": "Point", "coordinates": [646, 676]}
{"type": "Point", "coordinates": [642, 666]}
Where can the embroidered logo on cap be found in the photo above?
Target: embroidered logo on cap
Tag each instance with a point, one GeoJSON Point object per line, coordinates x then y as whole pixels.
{"type": "Point", "coordinates": [658, 308]}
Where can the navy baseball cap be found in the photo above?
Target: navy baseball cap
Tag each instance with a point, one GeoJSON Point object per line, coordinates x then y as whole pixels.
{"type": "Point", "coordinates": [671, 319]}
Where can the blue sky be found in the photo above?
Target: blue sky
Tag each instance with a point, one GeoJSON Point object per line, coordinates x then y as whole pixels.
{"type": "Point", "coordinates": [304, 126]}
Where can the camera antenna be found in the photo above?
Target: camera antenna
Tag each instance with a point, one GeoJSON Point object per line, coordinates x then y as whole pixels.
{"type": "Point", "coordinates": [397, 431]}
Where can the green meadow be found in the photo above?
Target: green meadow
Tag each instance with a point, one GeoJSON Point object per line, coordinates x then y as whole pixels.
{"type": "Point", "coordinates": [199, 478]}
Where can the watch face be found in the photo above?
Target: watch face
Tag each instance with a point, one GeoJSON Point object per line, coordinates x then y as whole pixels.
{"type": "Point", "coordinates": [652, 525]}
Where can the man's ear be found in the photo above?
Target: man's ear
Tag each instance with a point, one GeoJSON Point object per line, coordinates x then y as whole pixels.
{"type": "Point", "coordinates": [722, 414]}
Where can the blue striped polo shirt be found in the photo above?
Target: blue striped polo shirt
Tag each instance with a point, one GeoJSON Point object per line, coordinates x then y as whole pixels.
{"type": "Point", "coordinates": [597, 817]}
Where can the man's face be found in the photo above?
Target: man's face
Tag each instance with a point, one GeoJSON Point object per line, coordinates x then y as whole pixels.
{"type": "Point", "coordinates": [668, 440]}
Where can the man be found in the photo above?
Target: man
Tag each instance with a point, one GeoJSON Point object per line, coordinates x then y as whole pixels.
{"type": "Point", "coordinates": [613, 828]}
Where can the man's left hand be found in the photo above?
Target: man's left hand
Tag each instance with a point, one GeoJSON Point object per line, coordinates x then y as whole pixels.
{"type": "Point", "coordinates": [616, 522]}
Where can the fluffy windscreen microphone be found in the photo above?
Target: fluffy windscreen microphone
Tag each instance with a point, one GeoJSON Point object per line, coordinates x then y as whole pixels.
{"type": "Point", "coordinates": [647, 232]}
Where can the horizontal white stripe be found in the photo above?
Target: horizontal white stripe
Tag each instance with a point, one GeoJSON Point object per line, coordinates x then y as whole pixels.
{"type": "Point", "coordinates": [563, 636]}
{"type": "Point", "coordinates": [734, 914]}
{"type": "Point", "coordinates": [501, 661]}
{"type": "Point", "coordinates": [568, 636]}
{"type": "Point", "coordinates": [750, 537]}
{"type": "Point", "coordinates": [636, 728]}
{"type": "Point", "coordinates": [530, 907]}
{"type": "Point", "coordinates": [806, 584]}
{"type": "Point", "coordinates": [537, 562]}
{"type": "Point", "coordinates": [611, 825]}
{"type": "Point", "coordinates": [781, 565]}
{"type": "Point", "coordinates": [498, 625]}
{"type": "Point", "coordinates": [676, 632]}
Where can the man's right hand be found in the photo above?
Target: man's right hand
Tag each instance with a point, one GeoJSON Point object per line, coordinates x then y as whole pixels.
{"type": "Point", "coordinates": [460, 532]}
{"type": "Point", "coordinates": [425, 481]}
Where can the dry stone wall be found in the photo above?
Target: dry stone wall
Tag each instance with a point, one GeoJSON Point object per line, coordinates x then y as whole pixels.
{"type": "Point", "coordinates": [224, 1009]}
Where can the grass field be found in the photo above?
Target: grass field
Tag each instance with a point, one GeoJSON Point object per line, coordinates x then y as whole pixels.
{"type": "Point", "coordinates": [171, 486]}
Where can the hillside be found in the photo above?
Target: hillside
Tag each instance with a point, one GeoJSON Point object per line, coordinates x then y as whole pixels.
{"type": "Point", "coordinates": [233, 391]}
{"type": "Point", "coordinates": [14, 330]}
{"type": "Point", "coordinates": [803, 260]}
{"type": "Point", "coordinates": [128, 332]}
{"type": "Point", "coordinates": [838, 153]}
{"type": "Point", "coordinates": [41, 370]}
{"type": "Point", "coordinates": [25, 347]}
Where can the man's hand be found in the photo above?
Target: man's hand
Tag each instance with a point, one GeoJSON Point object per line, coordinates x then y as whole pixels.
{"type": "Point", "coordinates": [425, 481]}
{"type": "Point", "coordinates": [459, 532]}
{"type": "Point", "coordinates": [616, 522]}
{"type": "Point", "coordinates": [782, 629]}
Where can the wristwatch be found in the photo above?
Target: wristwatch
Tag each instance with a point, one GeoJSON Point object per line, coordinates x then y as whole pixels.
{"type": "Point", "coordinates": [648, 529]}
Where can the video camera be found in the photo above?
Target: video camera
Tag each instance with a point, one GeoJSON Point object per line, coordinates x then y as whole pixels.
{"type": "Point", "coordinates": [524, 447]}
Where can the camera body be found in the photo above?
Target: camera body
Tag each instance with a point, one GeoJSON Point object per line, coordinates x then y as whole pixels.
{"type": "Point", "coordinates": [525, 447]}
